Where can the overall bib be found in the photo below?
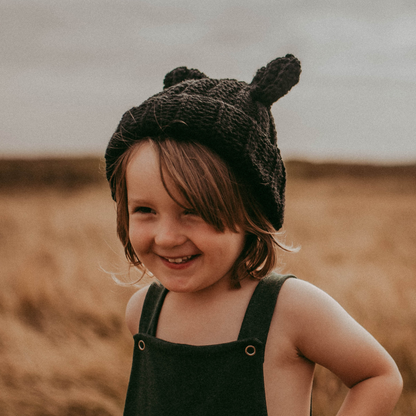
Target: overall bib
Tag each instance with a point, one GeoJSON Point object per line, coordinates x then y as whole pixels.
{"type": "Point", "coordinates": [211, 380]}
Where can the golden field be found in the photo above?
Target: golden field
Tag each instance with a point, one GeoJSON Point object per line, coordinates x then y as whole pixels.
{"type": "Point", "coordinates": [64, 349]}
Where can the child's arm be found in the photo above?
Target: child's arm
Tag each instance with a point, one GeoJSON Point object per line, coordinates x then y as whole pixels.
{"type": "Point", "coordinates": [325, 334]}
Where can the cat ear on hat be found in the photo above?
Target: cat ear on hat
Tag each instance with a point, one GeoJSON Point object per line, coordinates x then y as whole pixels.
{"type": "Point", "coordinates": [180, 74]}
{"type": "Point", "coordinates": [275, 80]}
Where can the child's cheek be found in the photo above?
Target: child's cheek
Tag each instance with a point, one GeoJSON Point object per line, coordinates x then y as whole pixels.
{"type": "Point", "coordinates": [138, 236]}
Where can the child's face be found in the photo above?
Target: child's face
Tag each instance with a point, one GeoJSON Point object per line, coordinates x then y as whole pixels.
{"type": "Point", "coordinates": [184, 252]}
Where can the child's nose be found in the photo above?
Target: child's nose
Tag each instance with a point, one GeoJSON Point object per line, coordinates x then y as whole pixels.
{"type": "Point", "coordinates": [170, 234]}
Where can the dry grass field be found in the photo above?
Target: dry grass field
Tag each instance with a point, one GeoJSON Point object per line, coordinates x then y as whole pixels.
{"type": "Point", "coordinates": [64, 349]}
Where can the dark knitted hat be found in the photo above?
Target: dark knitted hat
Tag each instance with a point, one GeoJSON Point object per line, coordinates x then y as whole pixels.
{"type": "Point", "coordinates": [230, 117]}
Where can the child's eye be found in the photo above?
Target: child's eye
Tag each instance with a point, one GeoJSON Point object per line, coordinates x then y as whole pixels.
{"type": "Point", "coordinates": [143, 210]}
{"type": "Point", "coordinates": [190, 211]}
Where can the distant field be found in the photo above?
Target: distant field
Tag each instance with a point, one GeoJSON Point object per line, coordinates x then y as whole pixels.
{"type": "Point", "coordinates": [52, 172]}
{"type": "Point", "coordinates": [64, 349]}
{"type": "Point", "coordinates": [74, 172]}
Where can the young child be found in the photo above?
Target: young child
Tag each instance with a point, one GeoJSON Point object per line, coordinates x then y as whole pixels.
{"type": "Point", "coordinates": [199, 184]}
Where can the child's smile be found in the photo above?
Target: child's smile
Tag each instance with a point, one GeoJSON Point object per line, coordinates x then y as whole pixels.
{"type": "Point", "coordinates": [177, 262]}
{"type": "Point", "coordinates": [184, 252]}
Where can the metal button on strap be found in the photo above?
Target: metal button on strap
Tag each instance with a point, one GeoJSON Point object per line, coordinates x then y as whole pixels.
{"type": "Point", "coordinates": [141, 345]}
{"type": "Point", "coordinates": [250, 350]}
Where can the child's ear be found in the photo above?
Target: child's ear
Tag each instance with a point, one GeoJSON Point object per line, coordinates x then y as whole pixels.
{"type": "Point", "coordinates": [180, 74]}
{"type": "Point", "coordinates": [275, 80]}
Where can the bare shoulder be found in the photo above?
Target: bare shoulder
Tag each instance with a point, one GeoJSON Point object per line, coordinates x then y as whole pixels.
{"type": "Point", "coordinates": [301, 297]}
{"type": "Point", "coordinates": [303, 309]}
{"type": "Point", "coordinates": [296, 288]}
{"type": "Point", "coordinates": [134, 309]}
{"type": "Point", "coordinates": [308, 311]}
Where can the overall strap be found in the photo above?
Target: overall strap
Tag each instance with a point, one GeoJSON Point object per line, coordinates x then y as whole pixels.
{"type": "Point", "coordinates": [260, 310]}
{"type": "Point", "coordinates": [151, 308]}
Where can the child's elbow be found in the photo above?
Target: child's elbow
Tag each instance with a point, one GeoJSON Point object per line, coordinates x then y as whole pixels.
{"type": "Point", "coordinates": [395, 381]}
{"type": "Point", "coordinates": [398, 380]}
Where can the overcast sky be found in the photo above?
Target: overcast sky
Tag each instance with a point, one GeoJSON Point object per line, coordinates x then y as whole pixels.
{"type": "Point", "coordinates": [69, 69]}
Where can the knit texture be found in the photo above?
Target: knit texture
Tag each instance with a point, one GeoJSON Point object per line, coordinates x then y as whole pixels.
{"type": "Point", "coordinates": [230, 117]}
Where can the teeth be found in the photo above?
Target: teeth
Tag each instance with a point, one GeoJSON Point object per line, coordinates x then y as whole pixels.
{"type": "Point", "coordinates": [178, 260]}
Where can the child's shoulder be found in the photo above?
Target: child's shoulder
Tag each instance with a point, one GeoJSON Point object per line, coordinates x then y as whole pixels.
{"type": "Point", "coordinates": [305, 307]}
{"type": "Point", "coordinates": [134, 309]}
{"type": "Point", "coordinates": [300, 295]}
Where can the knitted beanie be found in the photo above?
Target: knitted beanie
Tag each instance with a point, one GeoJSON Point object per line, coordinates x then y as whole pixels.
{"type": "Point", "coordinates": [230, 117]}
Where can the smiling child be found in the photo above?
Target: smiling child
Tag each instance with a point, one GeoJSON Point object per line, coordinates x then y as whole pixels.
{"type": "Point", "coordinates": [199, 185]}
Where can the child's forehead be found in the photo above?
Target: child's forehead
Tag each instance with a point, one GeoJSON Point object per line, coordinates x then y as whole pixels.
{"type": "Point", "coordinates": [142, 147]}
{"type": "Point", "coordinates": [143, 162]}
{"type": "Point", "coordinates": [143, 174]}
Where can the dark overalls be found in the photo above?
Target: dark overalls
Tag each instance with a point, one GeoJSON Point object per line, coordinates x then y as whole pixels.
{"type": "Point", "coordinates": [211, 380]}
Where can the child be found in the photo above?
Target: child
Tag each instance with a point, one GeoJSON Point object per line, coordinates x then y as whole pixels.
{"type": "Point", "coordinates": [199, 185]}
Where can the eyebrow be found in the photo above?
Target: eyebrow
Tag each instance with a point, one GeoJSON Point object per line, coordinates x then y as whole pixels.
{"type": "Point", "coordinates": [136, 201]}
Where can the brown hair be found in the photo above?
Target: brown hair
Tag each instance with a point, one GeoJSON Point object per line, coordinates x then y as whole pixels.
{"type": "Point", "coordinates": [210, 188]}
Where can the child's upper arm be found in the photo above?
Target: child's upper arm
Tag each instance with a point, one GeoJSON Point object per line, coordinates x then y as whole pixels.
{"type": "Point", "coordinates": [323, 332]}
{"type": "Point", "coordinates": [134, 310]}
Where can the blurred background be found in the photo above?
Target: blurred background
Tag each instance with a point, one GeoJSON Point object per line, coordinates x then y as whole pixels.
{"type": "Point", "coordinates": [70, 69]}
{"type": "Point", "coordinates": [347, 131]}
